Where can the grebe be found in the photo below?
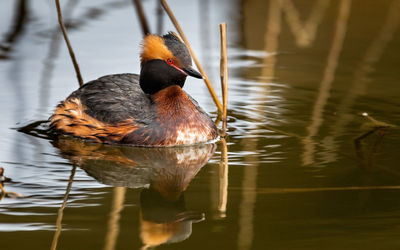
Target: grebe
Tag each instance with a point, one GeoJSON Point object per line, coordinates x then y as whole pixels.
{"type": "Point", "coordinates": [149, 109]}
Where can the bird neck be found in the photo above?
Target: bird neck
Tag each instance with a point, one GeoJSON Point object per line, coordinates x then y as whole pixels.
{"type": "Point", "coordinates": [171, 99]}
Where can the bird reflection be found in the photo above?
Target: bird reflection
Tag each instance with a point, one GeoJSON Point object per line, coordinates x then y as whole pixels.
{"type": "Point", "coordinates": [163, 220]}
{"type": "Point", "coordinates": [164, 173]}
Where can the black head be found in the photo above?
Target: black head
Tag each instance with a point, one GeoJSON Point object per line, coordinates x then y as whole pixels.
{"type": "Point", "coordinates": [165, 62]}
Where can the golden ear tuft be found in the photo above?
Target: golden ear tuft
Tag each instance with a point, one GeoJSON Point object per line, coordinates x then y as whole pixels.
{"type": "Point", "coordinates": [153, 47]}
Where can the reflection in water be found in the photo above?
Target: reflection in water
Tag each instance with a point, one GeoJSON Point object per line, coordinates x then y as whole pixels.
{"type": "Point", "coordinates": [273, 203]}
{"type": "Point", "coordinates": [49, 60]}
{"type": "Point", "coordinates": [367, 154]}
{"type": "Point", "coordinates": [359, 85]}
{"type": "Point", "coordinates": [137, 167]}
{"type": "Point", "coordinates": [17, 30]}
{"type": "Point", "coordinates": [164, 219]}
{"type": "Point", "coordinates": [223, 180]}
{"type": "Point", "coordinates": [247, 205]}
{"type": "Point", "coordinates": [20, 20]}
{"type": "Point", "coordinates": [115, 214]}
{"type": "Point", "coordinates": [61, 210]}
{"type": "Point", "coordinates": [248, 202]}
{"type": "Point", "coordinates": [271, 40]}
{"type": "Point", "coordinates": [164, 172]}
{"type": "Point", "coordinates": [305, 33]}
{"type": "Point", "coordinates": [326, 82]}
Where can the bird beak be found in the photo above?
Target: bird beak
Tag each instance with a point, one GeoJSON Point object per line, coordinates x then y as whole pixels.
{"type": "Point", "coordinates": [192, 72]}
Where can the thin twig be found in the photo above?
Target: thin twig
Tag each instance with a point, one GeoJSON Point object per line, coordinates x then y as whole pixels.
{"type": "Point", "coordinates": [224, 76]}
{"type": "Point", "coordinates": [142, 17]}
{"type": "Point", "coordinates": [61, 209]}
{"type": "Point", "coordinates": [218, 119]}
{"type": "Point", "coordinates": [180, 31]}
{"type": "Point", "coordinates": [71, 52]}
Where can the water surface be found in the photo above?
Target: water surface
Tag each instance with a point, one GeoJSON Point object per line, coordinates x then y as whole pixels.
{"type": "Point", "coordinates": [301, 74]}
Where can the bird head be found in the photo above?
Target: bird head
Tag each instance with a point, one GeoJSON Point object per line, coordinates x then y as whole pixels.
{"type": "Point", "coordinates": [165, 61]}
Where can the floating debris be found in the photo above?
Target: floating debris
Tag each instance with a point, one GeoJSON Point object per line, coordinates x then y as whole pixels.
{"type": "Point", "coordinates": [3, 192]}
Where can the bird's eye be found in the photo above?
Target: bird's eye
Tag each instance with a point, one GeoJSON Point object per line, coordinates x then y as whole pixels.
{"type": "Point", "coordinates": [169, 61]}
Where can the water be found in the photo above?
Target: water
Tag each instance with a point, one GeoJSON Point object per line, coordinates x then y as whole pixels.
{"type": "Point", "coordinates": [302, 73]}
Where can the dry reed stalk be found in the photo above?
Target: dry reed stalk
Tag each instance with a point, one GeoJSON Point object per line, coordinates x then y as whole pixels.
{"type": "Point", "coordinates": [224, 76]}
{"type": "Point", "coordinates": [71, 52]}
{"type": "Point", "coordinates": [61, 209]}
{"type": "Point", "coordinates": [142, 17]}
{"type": "Point", "coordinates": [180, 31]}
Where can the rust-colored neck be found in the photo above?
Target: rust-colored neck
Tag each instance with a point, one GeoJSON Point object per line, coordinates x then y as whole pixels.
{"type": "Point", "coordinates": [172, 100]}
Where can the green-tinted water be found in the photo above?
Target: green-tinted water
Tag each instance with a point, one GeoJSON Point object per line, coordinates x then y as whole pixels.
{"type": "Point", "coordinates": [302, 73]}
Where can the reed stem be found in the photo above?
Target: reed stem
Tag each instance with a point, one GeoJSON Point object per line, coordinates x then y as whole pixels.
{"type": "Point", "coordinates": [61, 209]}
{"type": "Point", "coordinates": [224, 76]}
{"type": "Point", "coordinates": [71, 52]}
{"type": "Point", "coordinates": [203, 73]}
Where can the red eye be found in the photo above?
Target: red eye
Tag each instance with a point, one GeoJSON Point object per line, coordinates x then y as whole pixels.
{"type": "Point", "coordinates": [169, 61]}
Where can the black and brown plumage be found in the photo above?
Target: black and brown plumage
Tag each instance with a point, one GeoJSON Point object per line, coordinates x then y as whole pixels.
{"type": "Point", "coordinates": [149, 109]}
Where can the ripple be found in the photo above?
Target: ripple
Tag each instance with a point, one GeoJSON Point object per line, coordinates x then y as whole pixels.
{"type": "Point", "coordinates": [13, 227]}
